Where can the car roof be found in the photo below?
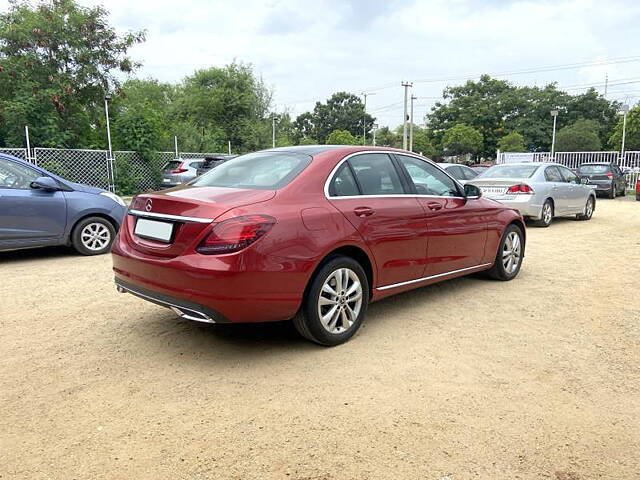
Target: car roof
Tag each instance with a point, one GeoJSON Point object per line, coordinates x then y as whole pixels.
{"type": "Point", "coordinates": [595, 163]}
{"type": "Point", "coordinates": [445, 164]}
{"type": "Point", "coordinates": [313, 150]}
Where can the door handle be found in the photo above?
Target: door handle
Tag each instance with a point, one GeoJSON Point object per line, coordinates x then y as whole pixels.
{"type": "Point", "coordinates": [363, 211]}
{"type": "Point", "coordinates": [434, 206]}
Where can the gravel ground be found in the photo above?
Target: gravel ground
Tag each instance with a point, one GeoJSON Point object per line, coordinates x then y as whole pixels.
{"type": "Point", "coordinates": [534, 378]}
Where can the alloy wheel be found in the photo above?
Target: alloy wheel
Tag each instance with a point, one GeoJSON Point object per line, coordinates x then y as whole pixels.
{"type": "Point", "coordinates": [340, 301]}
{"type": "Point", "coordinates": [547, 213]}
{"type": "Point", "coordinates": [589, 208]}
{"type": "Point", "coordinates": [95, 236]}
{"type": "Point", "coordinates": [511, 252]}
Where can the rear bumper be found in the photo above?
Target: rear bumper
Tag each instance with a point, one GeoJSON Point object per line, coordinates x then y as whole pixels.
{"type": "Point", "coordinates": [185, 309]}
{"type": "Point", "coordinates": [240, 289]}
{"type": "Point", "coordinates": [527, 205]}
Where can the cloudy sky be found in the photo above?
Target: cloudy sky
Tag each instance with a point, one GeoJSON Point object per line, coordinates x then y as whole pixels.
{"type": "Point", "coordinates": [306, 50]}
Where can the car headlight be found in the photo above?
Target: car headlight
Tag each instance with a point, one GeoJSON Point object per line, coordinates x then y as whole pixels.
{"type": "Point", "coordinates": [114, 197]}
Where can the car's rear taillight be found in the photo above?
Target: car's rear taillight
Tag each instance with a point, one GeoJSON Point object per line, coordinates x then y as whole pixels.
{"type": "Point", "coordinates": [180, 169]}
{"type": "Point", "coordinates": [235, 234]}
{"type": "Point", "coordinates": [520, 188]}
{"type": "Point", "coordinates": [609, 175]}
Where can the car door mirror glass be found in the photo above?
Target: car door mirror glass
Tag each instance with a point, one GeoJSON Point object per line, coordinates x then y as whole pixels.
{"type": "Point", "coordinates": [471, 191]}
{"type": "Point", "coordinates": [45, 183]}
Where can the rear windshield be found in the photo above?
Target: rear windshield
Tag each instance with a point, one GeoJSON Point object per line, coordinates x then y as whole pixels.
{"type": "Point", "coordinates": [509, 171]}
{"type": "Point", "coordinates": [172, 165]}
{"type": "Point", "coordinates": [261, 170]}
{"type": "Point", "coordinates": [591, 169]}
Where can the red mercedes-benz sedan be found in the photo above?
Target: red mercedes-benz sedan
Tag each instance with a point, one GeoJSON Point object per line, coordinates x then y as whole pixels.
{"type": "Point", "coordinates": [313, 234]}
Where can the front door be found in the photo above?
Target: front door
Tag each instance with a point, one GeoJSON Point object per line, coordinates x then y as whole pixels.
{"type": "Point", "coordinates": [368, 190]}
{"type": "Point", "coordinates": [559, 190]}
{"type": "Point", "coordinates": [456, 226]}
{"type": "Point", "coordinates": [577, 193]}
{"type": "Point", "coordinates": [28, 216]}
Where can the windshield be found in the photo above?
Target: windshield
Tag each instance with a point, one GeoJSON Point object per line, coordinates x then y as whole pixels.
{"type": "Point", "coordinates": [261, 170]}
{"type": "Point", "coordinates": [509, 171]}
{"type": "Point", "coordinates": [590, 169]}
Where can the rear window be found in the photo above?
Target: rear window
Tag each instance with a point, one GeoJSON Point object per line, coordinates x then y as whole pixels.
{"type": "Point", "coordinates": [591, 169]}
{"type": "Point", "coordinates": [261, 170]}
{"type": "Point", "coordinates": [172, 165]}
{"type": "Point", "coordinates": [509, 171]}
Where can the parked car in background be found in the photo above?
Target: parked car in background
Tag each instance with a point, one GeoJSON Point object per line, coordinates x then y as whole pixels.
{"type": "Point", "coordinates": [638, 189]}
{"type": "Point", "coordinates": [39, 208]}
{"type": "Point", "coordinates": [179, 171]}
{"type": "Point", "coordinates": [212, 162]}
{"type": "Point", "coordinates": [461, 173]}
{"type": "Point", "coordinates": [480, 167]}
{"type": "Point", "coordinates": [313, 234]}
{"type": "Point", "coordinates": [540, 191]}
{"type": "Point", "coordinates": [604, 177]}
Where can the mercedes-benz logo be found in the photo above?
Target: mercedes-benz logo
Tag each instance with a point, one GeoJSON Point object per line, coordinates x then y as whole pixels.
{"type": "Point", "coordinates": [149, 205]}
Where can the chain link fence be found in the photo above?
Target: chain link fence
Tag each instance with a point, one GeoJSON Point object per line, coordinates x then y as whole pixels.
{"type": "Point", "coordinates": [127, 172]}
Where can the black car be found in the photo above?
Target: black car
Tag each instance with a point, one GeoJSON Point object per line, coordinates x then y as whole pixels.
{"type": "Point", "coordinates": [604, 177]}
{"type": "Point", "coordinates": [212, 162]}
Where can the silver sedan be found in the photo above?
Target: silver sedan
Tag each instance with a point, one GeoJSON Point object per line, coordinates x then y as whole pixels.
{"type": "Point", "coordinates": [539, 191]}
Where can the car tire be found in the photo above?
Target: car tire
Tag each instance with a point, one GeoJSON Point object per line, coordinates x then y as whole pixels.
{"type": "Point", "coordinates": [546, 214]}
{"type": "Point", "coordinates": [502, 268]}
{"type": "Point", "coordinates": [329, 292]}
{"type": "Point", "coordinates": [588, 209]}
{"type": "Point", "coordinates": [93, 236]}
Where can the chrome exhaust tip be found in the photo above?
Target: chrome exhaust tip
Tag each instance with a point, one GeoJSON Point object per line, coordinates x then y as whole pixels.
{"type": "Point", "coordinates": [120, 289]}
{"type": "Point", "coordinates": [192, 315]}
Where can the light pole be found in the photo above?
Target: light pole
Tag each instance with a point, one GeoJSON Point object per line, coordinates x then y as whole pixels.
{"type": "Point", "coordinates": [107, 98]}
{"type": "Point", "coordinates": [624, 110]}
{"type": "Point", "coordinates": [273, 131]}
{"type": "Point", "coordinates": [364, 118]}
{"type": "Point", "coordinates": [375, 128]}
{"type": "Point", "coordinates": [554, 114]}
{"type": "Point", "coordinates": [411, 125]}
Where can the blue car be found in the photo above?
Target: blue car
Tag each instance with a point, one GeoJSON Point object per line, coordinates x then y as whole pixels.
{"type": "Point", "coordinates": [38, 209]}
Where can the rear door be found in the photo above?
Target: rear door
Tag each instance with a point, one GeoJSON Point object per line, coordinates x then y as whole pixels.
{"type": "Point", "coordinates": [369, 191]}
{"type": "Point", "coordinates": [456, 227]}
{"type": "Point", "coordinates": [559, 189]}
{"type": "Point", "coordinates": [577, 193]}
{"type": "Point", "coordinates": [28, 216]}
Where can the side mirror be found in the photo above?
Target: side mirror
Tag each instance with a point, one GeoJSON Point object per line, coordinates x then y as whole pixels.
{"type": "Point", "coordinates": [471, 191]}
{"type": "Point", "coordinates": [584, 181]}
{"type": "Point", "coordinates": [47, 184]}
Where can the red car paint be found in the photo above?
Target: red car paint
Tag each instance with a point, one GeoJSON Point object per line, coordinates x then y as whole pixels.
{"type": "Point", "coordinates": [403, 238]}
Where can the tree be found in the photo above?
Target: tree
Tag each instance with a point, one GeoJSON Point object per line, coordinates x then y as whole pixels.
{"type": "Point", "coordinates": [632, 137]}
{"type": "Point", "coordinates": [512, 142]}
{"type": "Point", "coordinates": [225, 104]}
{"type": "Point", "coordinates": [57, 60]}
{"type": "Point", "coordinates": [341, 137]}
{"type": "Point", "coordinates": [343, 111]}
{"type": "Point", "coordinates": [386, 137]}
{"type": "Point", "coordinates": [461, 139]}
{"type": "Point", "coordinates": [582, 136]}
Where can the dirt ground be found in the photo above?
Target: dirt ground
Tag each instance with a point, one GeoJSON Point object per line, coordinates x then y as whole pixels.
{"type": "Point", "coordinates": [530, 379]}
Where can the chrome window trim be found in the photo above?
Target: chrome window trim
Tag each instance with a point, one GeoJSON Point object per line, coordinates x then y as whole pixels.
{"type": "Point", "coordinates": [391, 195]}
{"type": "Point", "coordinates": [166, 216]}
{"type": "Point", "coordinates": [418, 280]}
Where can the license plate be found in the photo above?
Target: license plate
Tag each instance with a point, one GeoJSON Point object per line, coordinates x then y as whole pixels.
{"type": "Point", "coordinates": [166, 180]}
{"type": "Point", "coordinates": [154, 230]}
{"type": "Point", "coordinates": [493, 190]}
{"type": "Point", "coordinates": [592, 186]}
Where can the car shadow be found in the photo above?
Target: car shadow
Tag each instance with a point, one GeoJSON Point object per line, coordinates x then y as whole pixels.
{"type": "Point", "coordinates": [40, 253]}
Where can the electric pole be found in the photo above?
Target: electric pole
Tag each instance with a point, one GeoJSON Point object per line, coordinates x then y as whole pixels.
{"type": "Point", "coordinates": [364, 118]}
{"type": "Point", "coordinates": [406, 86]}
{"type": "Point", "coordinates": [606, 84]}
{"type": "Point", "coordinates": [624, 111]}
{"type": "Point", "coordinates": [554, 114]}
{"type": "Point", "coordinates": [411, 124]}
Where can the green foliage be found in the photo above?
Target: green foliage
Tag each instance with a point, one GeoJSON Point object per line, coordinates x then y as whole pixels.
{"type": "Point", "coordinates": [495, 107]}
{"type": "Point", "coordinates": [386, 137]}
{"type": "Point", "coordinates": [512, 142]}
{"type": "Point", "coordinates": [632, 138]}
{"type": "Point", "coordinates": [461, 139]}
{"type": "Point", "coordinates": [307, 141]}
{"type": "Point", "coordinates": [581, 136]}
{"type": "Point", "coordinates": [341, 137]}
{"type": "Point", "coordinates": [57, 59]}
{"type": "Point", "coordinates": [343, 111]}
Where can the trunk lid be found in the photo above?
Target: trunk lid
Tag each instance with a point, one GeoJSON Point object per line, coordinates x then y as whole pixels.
{"type": "Point", "coordinates": [497, 187]}
{"type": "Point", "coordinates": [198, 205]}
